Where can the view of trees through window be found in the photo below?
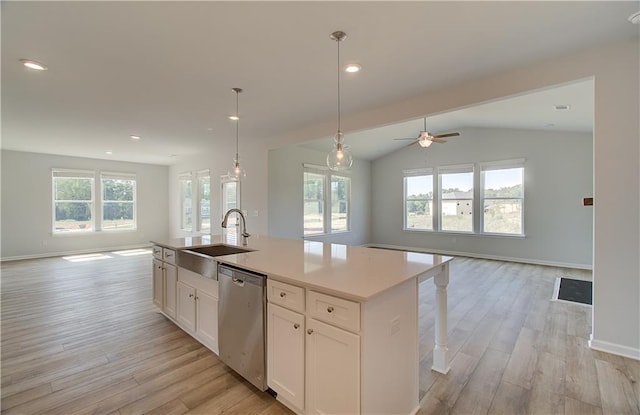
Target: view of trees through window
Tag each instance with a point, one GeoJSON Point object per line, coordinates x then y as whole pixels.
{"type": "Point", "coordinates": [118, 208]}
{"type": "Point", "coordinates": [419, 202]}
{"type": "Point", "coordinates": [503, 196]}
{"type": "Point", "coordinates": [326, 201]}
{"type": "Point", "coordinates": [456, 201]}
{"type": "Point", "coordinates": [73, 204]}
{"type": "Point", "coordinates": [204, 189]}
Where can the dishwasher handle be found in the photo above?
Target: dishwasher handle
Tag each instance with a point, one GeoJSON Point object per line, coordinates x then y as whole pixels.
{"type": "Point", "coordinates": [238, 282]}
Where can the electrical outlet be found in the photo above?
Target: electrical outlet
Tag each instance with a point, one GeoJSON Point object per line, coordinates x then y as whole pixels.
{"type": "Point", "coordinates": [255, 212]}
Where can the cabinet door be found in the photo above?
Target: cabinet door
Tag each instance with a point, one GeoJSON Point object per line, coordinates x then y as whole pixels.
{"type": "Point", "coordinates": [285, 354]}
{"type": "Point", "coordinates": [158, 280]}
{"type": "Point", "coordinates": [333, 370]}
{"type": "Point", "coordinates": [170, 280]}
{"type": "Point", "coordinates": [186, 306]}
{"type": "Point", "coordinates": [207, 319]}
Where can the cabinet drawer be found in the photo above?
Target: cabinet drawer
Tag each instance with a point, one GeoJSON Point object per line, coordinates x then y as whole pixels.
{"type": "Point", "coordinates": [286, 295]}
{"type": "Point", "coordinates": [169, 255]}
{"type": "Point", "coordinates": [334, 310]}
{"type": "Point", "coordinates": [157, 252]}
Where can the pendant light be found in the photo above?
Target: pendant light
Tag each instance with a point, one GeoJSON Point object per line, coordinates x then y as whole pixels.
{"type": "Point", "coordinates": [237, 172]}
{"type": "Point", "coordinates": [339, 159]}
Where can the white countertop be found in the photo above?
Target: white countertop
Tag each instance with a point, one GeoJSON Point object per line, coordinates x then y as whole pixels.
{"type": "Point", "coordinates": [353, 272]}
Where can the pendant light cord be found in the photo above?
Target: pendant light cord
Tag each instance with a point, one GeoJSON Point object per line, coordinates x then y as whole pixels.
{"type": "Point", "coordinates": [338, 41]}
{"type": "Point", "coordinates": [237, 126]}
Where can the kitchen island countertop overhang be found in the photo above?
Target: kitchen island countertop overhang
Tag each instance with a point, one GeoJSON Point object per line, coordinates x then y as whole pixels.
{"type": "Point", "coordinates": [353, 272]}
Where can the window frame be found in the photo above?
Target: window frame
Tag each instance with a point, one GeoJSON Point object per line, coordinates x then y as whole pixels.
{"type": "Point", "coordinates": [502, 165]}
{"type": "Point", "coordinates": [327, 202]}
{"type": "Point", "coordinates": [200, 176]}
{"type": "Point", "coordinates": [419, 173]}
{"type": "Point", "coordinates": [225, 181]}
{"type": "Point", "coordinates": [78, 174]}
{"type": "Point", "coordinates": [119, 176]}
{"type": "Point", "coordinates": [457, 169]}
{"type": "Point", "coordinates": [184, 177]}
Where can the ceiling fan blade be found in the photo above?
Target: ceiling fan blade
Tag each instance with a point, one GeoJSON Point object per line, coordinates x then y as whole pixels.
{"type": "Point", "coordinates": [413, 138]}
{"type": "Point", "coordinates": [410, 144]}
{"type": "Point", "coordinates": [445, 135]}
{"type": "Point", "coordinates": [438, 140]}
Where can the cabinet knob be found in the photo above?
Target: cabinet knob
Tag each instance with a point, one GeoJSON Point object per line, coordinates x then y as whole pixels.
{"type": "Point", "coordinates": [196, 298]}
{"type": "Point", "coordinates": [190, 295]}
{"type": "Point", "coordinates": [329, 309]}
{"type": "Point", "coordinates": [310, 331]}
{"type": "Point", "coordinates": [296, 326]}
{"type": "Point", "coordinates": [283, 294]}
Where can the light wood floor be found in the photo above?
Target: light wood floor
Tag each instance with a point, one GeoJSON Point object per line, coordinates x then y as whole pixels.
{"type": "Point", "coordinates": [83, 337]}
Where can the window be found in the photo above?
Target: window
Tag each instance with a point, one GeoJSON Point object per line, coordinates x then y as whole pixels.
{"type": "Point", "coordinates": [118, 201]}
{"type": "Point", "coordinates": [230, 198]}
{"type": "Point", "coordinates": [186, 202]}
{"type": "Point", "coordinates": [418, 199]}
{"type": "Point", "coordinates": [326, 205]}
{"type": "Point", "coordinates": [204, 201]}
{"type": "Point", "coordinates": [456, 198]}
{"type": "Point", "coordinates": [502, 198]}
{"type": "Point", "coordinates": [340, 203]}
{"type": "Point", "coordinates": [73, 201]}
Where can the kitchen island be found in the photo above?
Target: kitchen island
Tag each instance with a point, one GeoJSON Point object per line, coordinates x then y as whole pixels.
{"type": "Point", "coordinates": [342, 321]}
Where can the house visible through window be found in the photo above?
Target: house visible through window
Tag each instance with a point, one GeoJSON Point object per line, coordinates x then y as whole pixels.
{"type": "Point", "coordinates": [73, 201]}
{"type": "Point", "coordinates": [326, 204]}
{"type": "Point", "coordinates": [118, 201]}
{"type": "Point", "coordinates": [456, 198]}
{"type": "Point", "coordinates": [450, 207]}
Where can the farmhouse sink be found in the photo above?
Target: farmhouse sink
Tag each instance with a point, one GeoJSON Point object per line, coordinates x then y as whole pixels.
{"type": "Point", "coordinates": [201, 260]}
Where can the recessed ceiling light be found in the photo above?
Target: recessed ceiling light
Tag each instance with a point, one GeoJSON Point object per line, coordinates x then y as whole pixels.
{"type": "Point", "coordinates": [108, 152]}
{"type": "Point", "coordinates": [31, 64]}
{"type": "Point", "coordinates": [562, 107]}
{"type": "Point", "coordinates": [173, 156]}
{"type": "Point", "coordinates": [135, 137]}
{"type": "Point", "coordinates": [635, 18]}
{"type": "Point", "coordinates": [549, 125]}
{"type": "Point", "coordinates": [352, 68]}
{"type": "Point", "coordinates": [234, 117]}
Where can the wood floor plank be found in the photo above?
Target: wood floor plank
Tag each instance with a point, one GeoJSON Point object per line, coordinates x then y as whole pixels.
{"type": "Point", "coordinates": [576, 407]}
{"type": "Point", "coordinates": [510, 399]}
{"type": "Point", "coordinates": [616, 390]}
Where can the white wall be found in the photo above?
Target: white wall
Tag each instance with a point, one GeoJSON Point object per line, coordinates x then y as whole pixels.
{"type": "Point", "coordinates": [558, 174]}
{"type": "Point", "coordinates": [27, 206]}
{"type": "Point", "coordinates": [286, 196]}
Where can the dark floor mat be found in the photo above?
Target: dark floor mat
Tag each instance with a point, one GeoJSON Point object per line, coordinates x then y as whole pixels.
{"type": "Point", "coordinates": [577, 291]}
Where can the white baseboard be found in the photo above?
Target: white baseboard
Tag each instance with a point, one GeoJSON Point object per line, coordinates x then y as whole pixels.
{"type": "Point", "coordinates": [75, 252]}
{"type": "Point", "coordinates": [617, 349]}
{"type": "Point", "coordinates": [484, 256]}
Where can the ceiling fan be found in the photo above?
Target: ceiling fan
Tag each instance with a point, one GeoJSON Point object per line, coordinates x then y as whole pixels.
{"type": "Point", "coordinates": [425, 138]}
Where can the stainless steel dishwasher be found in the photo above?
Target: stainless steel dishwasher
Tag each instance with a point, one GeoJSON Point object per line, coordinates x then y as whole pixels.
{"type": "Point", "coordinates": [242, 322]}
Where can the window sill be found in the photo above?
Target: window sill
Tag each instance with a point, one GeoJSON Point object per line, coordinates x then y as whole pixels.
{"type": "Point", "coordinates": [316, 235]}
{"type": "Point", "coordinates": [454, 233]}
{"type": "Point", "coordinates": [90, 233]}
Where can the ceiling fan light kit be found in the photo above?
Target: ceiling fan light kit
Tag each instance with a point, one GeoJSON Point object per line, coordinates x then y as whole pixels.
{"type": "Point", "coordinates": [425, 138]}
{"type": "Point", "coordinates": [339, 159]}
{"type": "Point", "coordinates": [237, 172]}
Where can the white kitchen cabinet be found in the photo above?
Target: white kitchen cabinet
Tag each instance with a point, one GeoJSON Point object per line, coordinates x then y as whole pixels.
{"type": "Point", "coordinates": [158, 283]}
{"type": "Point", "coordinates": [286, 354]}
{"type": "Point", "coordinates": [207, 319]}
{"type": "Point", "coordinates": [186, 312]}
{"type": "Point", "coordinates": [333, 370]}
{"type": "Point", "coordinates": [197, 307]}
{"type": "Point", "coordinates": [170, 281]}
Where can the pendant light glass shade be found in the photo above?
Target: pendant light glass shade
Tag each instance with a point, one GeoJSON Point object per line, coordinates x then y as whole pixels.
{"type": "Point", "coordinates": [339, 159]}
{"type": "Point", "coordinates": [237, 172]}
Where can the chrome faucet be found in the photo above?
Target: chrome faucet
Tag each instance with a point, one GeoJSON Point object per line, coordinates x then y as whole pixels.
{"type": "Point", "coordinates": [244, 234]}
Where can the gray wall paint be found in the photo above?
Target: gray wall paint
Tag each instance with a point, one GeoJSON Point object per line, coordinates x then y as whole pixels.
{"type": "Point", "coordinates": [285, 195]}
{"type": "Point", "coordinates": [27, 206]}
{"type": "Point", "coordinates": [558, 174]}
